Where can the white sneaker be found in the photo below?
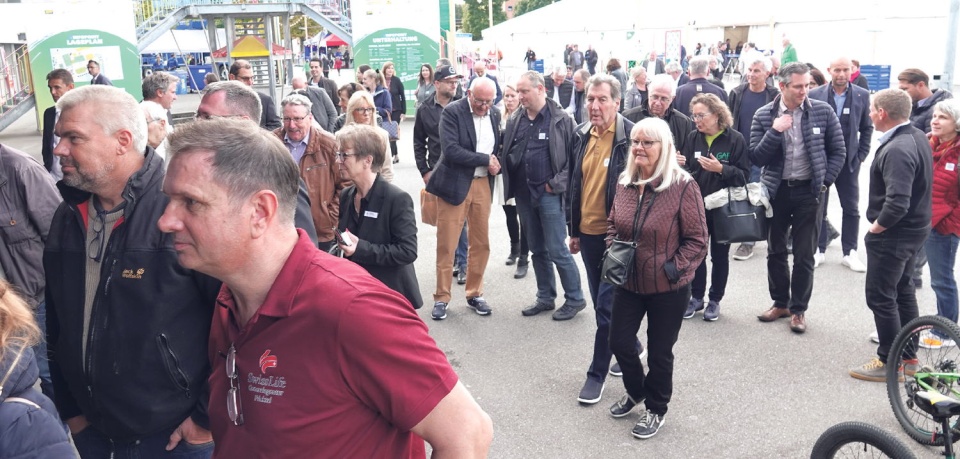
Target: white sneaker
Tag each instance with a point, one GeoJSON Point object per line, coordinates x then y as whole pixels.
{"type": "Point", "coordinates": [853, 262]}
{"type": "Point", "coordinates": [818, 258]}
{"type": "Point", "coordinates": [875, 337]}
{"type": "Point", "coordinates": [930, 341]}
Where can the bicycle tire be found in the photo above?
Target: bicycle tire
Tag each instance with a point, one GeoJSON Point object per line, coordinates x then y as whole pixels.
{"type": "Point", "coordinates": [918, 424]}
{"type": "Point", "coordinates": [857, 439]}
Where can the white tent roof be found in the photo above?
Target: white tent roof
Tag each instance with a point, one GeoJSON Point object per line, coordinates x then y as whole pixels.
{"type": "Point", "coordinates": [185, 41]}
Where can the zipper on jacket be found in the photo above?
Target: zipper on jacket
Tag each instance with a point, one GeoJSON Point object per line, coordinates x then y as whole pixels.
{"type": "Point", "coordinates": [106, 268]}
{"type": "Point", "coordinates": [173, 364]}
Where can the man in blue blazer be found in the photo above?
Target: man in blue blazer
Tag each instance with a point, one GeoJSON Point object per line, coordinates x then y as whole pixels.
{"type": "Point", "coordinates": [852, 106]}
{"type": "Point", "coordinates": [463, 180]}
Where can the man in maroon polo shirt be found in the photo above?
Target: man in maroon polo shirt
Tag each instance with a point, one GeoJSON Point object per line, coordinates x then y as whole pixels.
{"type": "Point", "coordinates": [310, 355]}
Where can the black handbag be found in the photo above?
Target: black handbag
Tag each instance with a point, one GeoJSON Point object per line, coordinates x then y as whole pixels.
{"type": "Point", "coordinates": [739, 221]}
{"type": "Point", "coordinates": [618, 260]}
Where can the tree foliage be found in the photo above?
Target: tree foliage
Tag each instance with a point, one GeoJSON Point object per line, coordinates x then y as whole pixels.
{"type": "Point", "coordinates": [526, 6]}
{"type": "Point", "coordinates": [476, 16]}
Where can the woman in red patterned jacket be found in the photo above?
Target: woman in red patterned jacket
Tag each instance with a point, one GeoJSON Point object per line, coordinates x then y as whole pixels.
{"type": "Point", "coordinates": [671, 238]}
{"type": "Point", "coordinates": [941, 245]}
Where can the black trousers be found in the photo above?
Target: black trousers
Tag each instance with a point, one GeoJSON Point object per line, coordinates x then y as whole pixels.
{"type": "Point", "coordinates": [890, 293]}
{"type": "Point", "coordinates": [516, 232]}
{"type": "Point", "coordinates": [719, 263]}
{"type": "Point", "coordinates": [665, 311]}
{"type": "Point", "coordinates": [798, 207]}
{"type": "Point", "coordinates": [848, 190]}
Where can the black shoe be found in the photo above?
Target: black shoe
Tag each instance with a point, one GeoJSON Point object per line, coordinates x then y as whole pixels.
{"type": "Point", "coordinates": [521, 271]}
{"type": "Point", "coordinates": [456, 270]}
{"type": "Point", "coordinates": [537, 308]}
{"type": "Point", "coordinates": [615, 370]}
{"type": "Point", "coordinates": [591, 392]}
{"type": "Point", "coordinates": [439, 310]}
{"type": "Point", "coordinates": [648, 425]}
{"type": "Point", "coordinates": [623, 407]}
{"type": "Point", "coordinates": [568, 311]}
{"type": "Point", "coordinates": [462, 277]}
{"type": "Point", "coordinates": [396, 159]}
{"type": "Point", "coordinates": [514, 253]}
{"type": "Point", "coordinates": [479, 305]}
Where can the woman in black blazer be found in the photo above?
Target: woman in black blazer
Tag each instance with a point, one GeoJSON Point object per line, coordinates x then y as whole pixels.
{"type": "Point", "coordinates": [377, 220]}
{"type": "Point", "coordinates": [395, 86]}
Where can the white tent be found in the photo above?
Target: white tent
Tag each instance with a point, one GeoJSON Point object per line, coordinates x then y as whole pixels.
{"type": "Point", "coordinates": [185, 41]}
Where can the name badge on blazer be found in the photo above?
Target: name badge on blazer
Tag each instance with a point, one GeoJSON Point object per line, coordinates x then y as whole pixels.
{"type": "Point", "coordinates": [370, 214]}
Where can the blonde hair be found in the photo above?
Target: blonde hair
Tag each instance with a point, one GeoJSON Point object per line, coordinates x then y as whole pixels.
{"type": "Point", "coordinates": [667, 165]}
{"type": "Point", "coordinates": [18, 328]}
{"type": "Point", "coordinates": [355, 101]}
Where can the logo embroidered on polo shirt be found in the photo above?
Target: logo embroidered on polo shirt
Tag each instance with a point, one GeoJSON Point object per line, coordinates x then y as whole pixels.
{"type": "Point", "coordinates": [267, 361]}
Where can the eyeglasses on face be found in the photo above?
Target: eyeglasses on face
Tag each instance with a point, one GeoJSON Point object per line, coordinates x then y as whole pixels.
{"type": "Point", "coordinates": [700, 116]}
{"type": "Point", "coordinates": [234, 409]}
{"type": "Point", "coordinates": [360, 111]}
{"type": "Point", "coordinates": [643, 143]}
{"type": "Point", "coordinates": [341, 156]}
{"type": "Point", "coordinates": [481, 102]}
{"type": "Point", "coordinates": [295, 119]}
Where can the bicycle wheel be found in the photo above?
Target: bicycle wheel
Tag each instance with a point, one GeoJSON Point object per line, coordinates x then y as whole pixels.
{"type": "Point", "coordinates": [943, 361]}
{"type": "Point", "coordinates": [857, 439]}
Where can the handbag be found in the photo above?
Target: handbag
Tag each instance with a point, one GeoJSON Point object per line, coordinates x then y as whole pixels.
{"type": "Point", "coordinates": [392, 128]}
{"type": "Point", "coordinates": [739, 221]}
{"type": "Point", "coordinates": [428, 207]}
{"type": "Point", "coordinates": [618, 260]}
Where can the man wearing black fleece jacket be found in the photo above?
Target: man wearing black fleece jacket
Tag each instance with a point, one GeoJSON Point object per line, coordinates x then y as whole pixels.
{"type": "Point", "coordinates": [899, 214]}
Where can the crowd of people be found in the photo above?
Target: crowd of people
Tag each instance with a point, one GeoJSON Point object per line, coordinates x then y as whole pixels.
{"type": "Point", "coordinates": [140, 244]}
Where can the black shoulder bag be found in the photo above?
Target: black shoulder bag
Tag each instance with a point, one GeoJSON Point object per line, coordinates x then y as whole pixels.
{"type": "Point", "coordinates": [618, 260]}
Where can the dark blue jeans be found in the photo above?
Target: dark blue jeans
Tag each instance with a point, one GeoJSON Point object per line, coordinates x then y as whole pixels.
{"type": "Point", "coordinates": [591, 250]}
{"type": "Point", "coordinates": [798, 207]}
{"type": "Point", "coordinates": [942, 255]}
{"type": "Point", "coordinates": [848, 190]}
{"type": "Point", "coordinates": [460, 256]}
{"type": "Point", "coordinates": [40, 351]}
{"type": "Point", "coordinates": [889, 285]}
{"type": "Point", "coordinates": [664, 312]}
{"type": "Point", "coordinates": [547, 227]}
{"type": "Point", "coordinates": [92, 444]}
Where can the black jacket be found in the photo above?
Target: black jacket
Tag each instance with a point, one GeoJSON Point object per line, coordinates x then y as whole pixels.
{"type": "Point", "coordinates": [618, 160]}
{"type": "Point", "coordinates": [735, 100]}
{"type": "Point", "coordinates": [695, 86]}
{"type": "Point", "coordinates": [453, 174]}
{"type": "Point", "coordinates": [680, 124]}
{"type": "Point", "coordinates": [144, 370]}
{"type": "Point", "coordinates": [566, 91]}
{"type": "Point", "coordinates": [561, 141]}
{"type": "Point", "coordinates": [920, 117]}
{"type": "Point", "coordinates": [398, 98]}
{"type": "Point", "coordinates": [901, 178]}
{"type": "Point", "coordinates": [426, 135]}
{"type": "Point", "coordinates": [269, 119]}
{"type": "Point", "coordinates": [388, 242]}
{"type": "Point", "coordinates": [729, 148]}
{"type": "Point", "coordinates": [46, 149]}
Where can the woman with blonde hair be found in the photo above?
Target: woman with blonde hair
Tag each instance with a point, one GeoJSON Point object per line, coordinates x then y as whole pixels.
{"type": "Point", "coordinates": [29, 425]}
{"type": "Point", "coordinates": [658, 207]}
{"type": "Point", "coordinates": [362, 110]}
{"type": "Point", "coordinates": [636, 96]}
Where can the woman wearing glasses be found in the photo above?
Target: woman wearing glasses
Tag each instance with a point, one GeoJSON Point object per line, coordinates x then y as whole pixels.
{"type": "Point", "coordinates": [377, 221]}
{"type": "Point", "coordinates": [671, 237]}
{"type": "Point", "coordinates": [716, 157]}
{"type": "Point", "coordinates": [361, 110]}
{"type": "Point", "coordinates": [29, 426]}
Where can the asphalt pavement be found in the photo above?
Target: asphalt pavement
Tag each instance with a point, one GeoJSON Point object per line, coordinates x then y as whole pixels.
{"type": "Point", "coordinates": [742, 388]}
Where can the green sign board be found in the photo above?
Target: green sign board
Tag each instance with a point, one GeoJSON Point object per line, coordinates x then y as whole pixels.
{"type": "Point", "coordinates": [406, 48]}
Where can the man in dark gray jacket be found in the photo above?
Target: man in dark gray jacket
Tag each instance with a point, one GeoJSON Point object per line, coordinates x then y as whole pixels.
{"type": "Point", "coordinates": [322, 109]}
{"type": "Point", "coordinates": [29, 198]}
{"type": "Point", "coordinates": [899, 212]}
{"type": "Point", "coordinates": [538, 145]}
{"type": "Point", "coordinates": [799, 144]}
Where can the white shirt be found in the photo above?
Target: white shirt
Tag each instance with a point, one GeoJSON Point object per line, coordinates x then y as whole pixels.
{"type": "Point", "coordinates": [485, 140]}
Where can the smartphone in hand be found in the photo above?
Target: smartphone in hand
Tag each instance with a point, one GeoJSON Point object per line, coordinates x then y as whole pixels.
{"type": "Point", "coordinates": [342, 240]}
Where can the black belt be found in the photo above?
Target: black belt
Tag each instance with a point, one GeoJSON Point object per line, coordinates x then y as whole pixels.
{"type": "Point", "coordinates": [796, 183]}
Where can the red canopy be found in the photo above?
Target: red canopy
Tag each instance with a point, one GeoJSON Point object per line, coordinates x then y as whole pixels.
{"type": "Point", "coordinates": [333, 41]}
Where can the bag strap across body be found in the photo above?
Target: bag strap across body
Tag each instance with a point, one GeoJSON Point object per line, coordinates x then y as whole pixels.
{"type": "Point", "coordinates": [636, 217]}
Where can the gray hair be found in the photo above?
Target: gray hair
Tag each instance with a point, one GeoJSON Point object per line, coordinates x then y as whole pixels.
{"type": "Point", "coordinates": [637, 71]}
{"type": "Point", "coordinates": [158, 81]}
{"type": "Point", "coordinates": [365, 141]}
{"type": "Point", "coordinates": [297, 99]}
{"type": "Point", "coordinates": [951, 108]}
{"type": "Point", "coordinates": [484, 82]}
{"type": "Point", "coordinates": [245, 161]}
{"type": "Point", "coordinates": [794, 68]}
{"type": "Point", "coordinates": [154, 110]}
{"type": "Point", "coordinates": [559, 70]}
{"type": "Point", "coordinates": [534, 77]}
{"type": "Point", "coordinates": [667, 165]}
{"type": "Point", "coordinates": [662, 80]}
{"type": "Point", "coordinates": [698, 66]}
{"type": "Point", "coordinates": [116, 110]}
{"type": "Point", "coordinates": [240, 99]}
{"type": "Point", "coordinates": [672, 66]}
{"type": "Point", "coordinates": [767, 65]}
{"type": "Point", "coordinates": [896, 102]}
{"type": "Point", "coordinates": [610, 80]}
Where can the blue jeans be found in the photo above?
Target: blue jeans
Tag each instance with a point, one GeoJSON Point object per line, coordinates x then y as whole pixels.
{"type": "Point", "coordinates": [592, 248]}
{"type": "Point", "coordinates": [547, 226]}
{"type": "Point", "coordinates": [91, 443]}
{"type": "Point", "coordinates": [942, 255]}
{"type": "Point", "coordinates": [460, 256]}
{"type": "Point", "coordinates": [40, 351]}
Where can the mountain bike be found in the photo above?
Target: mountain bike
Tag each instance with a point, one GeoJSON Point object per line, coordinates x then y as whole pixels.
{"type": "Point", "coordinates": [858, 439]}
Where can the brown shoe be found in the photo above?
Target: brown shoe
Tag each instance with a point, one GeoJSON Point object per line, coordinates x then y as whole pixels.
{"type": "Point", "coordinates": [774, 313]}
{"type": "Point", "coordinates": [797, 323]}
